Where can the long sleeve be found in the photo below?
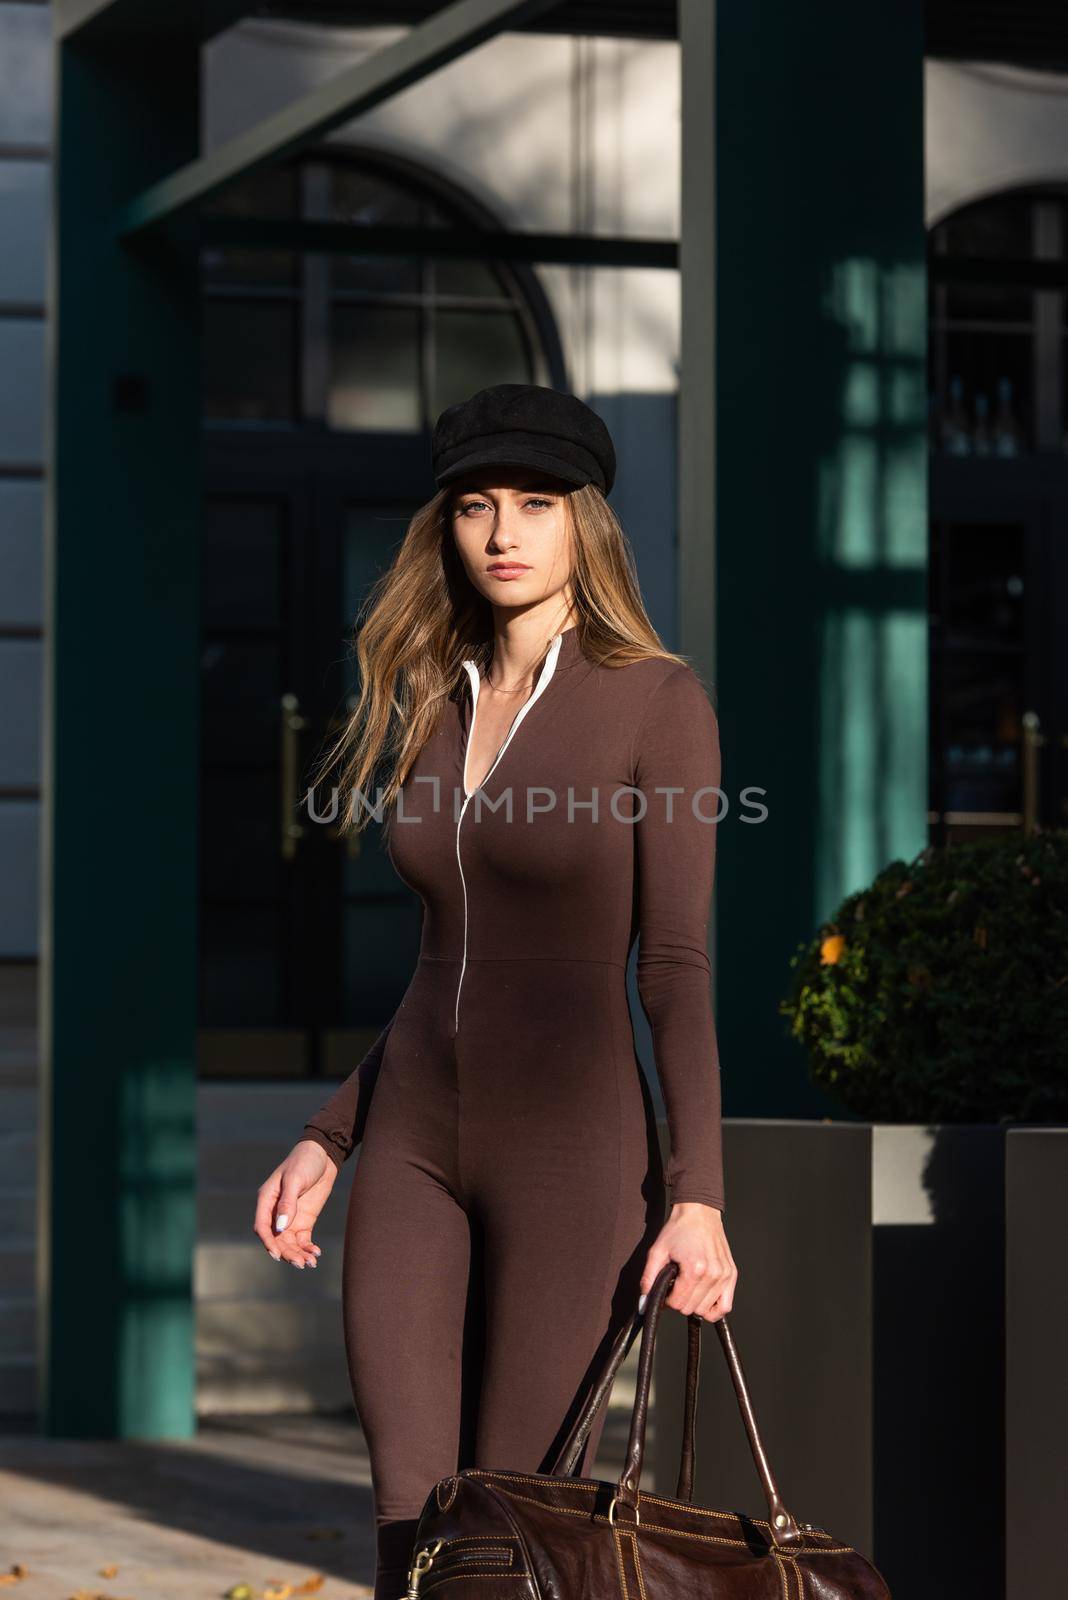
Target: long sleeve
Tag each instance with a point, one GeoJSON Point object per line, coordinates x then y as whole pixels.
{"type": "Point", "coordinates": [338, 1126]}
{"type": "Point", "coordinates": [676, 747]}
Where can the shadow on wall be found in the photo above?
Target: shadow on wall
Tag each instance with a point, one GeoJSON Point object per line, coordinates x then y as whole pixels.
{"type": "Point", "coordinates": [939, 1359]}
{"type": "Point", "coordinates": [822, 639]}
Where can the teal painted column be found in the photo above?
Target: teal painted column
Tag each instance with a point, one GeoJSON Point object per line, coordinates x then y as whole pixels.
{"type": "Point", "coordinates": [118, 1152]}
{"type": "Point", "coordinates": [819, 491]}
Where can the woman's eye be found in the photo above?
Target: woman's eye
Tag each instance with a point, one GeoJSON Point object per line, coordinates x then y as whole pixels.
{"type": "Point", "coordinates": [471, 505]}
{"type": "Point", "coordinates": [538, 502]}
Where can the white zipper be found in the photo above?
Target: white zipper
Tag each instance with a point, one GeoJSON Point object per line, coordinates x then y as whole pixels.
{"type": "Point", "coordinates": [547, 671]}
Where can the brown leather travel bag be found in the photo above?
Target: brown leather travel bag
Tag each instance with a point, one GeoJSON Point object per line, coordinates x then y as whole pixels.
{"type": "Point", "coordinates": [489, 1534]}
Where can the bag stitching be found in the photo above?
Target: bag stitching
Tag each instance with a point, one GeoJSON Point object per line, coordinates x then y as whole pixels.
{"type": "Point", "coordinates": [468, 1538]}
{"type": "Point", "coordinates": [472, 1577]}
{"type": "Point", "coordinates": [653, 1499]}
{"type": "Point", "coordinates": [526, 1477]}
{"type": "Point", "coordinates": [717, 1538]}
{"type": "Point", "coordinates": [445, 1504]}
{"type": "Point", "coordinates": [487, 1560]}
{"type": "Point", "coordinates": [681, 1533]}
{"type": "Point", "coordinates": [637, 1563]}
{"type": "Point", "coordinates": [619, 1562]}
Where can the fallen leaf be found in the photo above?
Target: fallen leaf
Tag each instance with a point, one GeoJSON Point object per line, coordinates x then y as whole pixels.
{"type": "Point", "coordinates": [109, 1572]}
{"type": "Point", "coordinates": [240, 1591]}
{"type": "Point", "coordinates": [91, 1594]}
{"type": "Point", "coordinates": [310, 1585]}
{"type": "Point", "coordinates": [281, 1592]}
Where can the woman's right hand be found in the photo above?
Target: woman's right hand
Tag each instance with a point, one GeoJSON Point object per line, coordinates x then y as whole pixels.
{"type": "Point", "coordinates": [289, 1202]}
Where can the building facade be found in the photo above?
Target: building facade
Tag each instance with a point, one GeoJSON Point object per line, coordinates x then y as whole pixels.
{"type": "Point", "coordinates": [321, 376]}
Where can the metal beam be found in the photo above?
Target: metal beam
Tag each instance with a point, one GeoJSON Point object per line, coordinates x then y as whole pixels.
{"type": "Point", "coordinates": [151, 20]}
{"type": "Point", "coordinates": [448, 34]}
{"type": "Point", "coordinates": [353, 238]}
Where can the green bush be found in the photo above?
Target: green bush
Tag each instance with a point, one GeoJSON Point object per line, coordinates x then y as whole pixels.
{"type": "Point", "coordinates": [940, 993]}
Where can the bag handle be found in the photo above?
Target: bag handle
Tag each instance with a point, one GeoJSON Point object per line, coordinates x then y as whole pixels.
{"type": "Point", "coordinates": [785, 1529]}
{"type": "Point", "coordinates": [567, 1456]}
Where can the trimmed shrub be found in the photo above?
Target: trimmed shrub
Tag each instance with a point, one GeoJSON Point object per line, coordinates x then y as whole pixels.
{"type": "Point", "coordinates": [940, 993]}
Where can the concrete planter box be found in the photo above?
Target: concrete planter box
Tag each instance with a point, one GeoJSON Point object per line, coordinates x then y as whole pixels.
{"type": "Point", "coordinates": [938, 1403]}
{"type": "Point", "coordinates": [870, 1320]}
{"type": "Point", "coordinates": [799, 1199]}
{"type": "Point", "coordinates": [1036, 1391]}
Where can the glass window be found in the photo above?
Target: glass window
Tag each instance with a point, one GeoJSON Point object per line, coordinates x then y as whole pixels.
{"type": "Point", "coordinates": [995, 228]}
{"type": "Point", "coordinates": [474, 349]}
{"type": "Point", "coordinates": [363, 341]}
{"type": "Point", "coordinates": [996, 366]}
{"type": "Point", "coordinates": [374, 368]}
{"type": "Point", "coordinates": [458, 276]}
{"type": "Point", "coordinates": [376, 275]}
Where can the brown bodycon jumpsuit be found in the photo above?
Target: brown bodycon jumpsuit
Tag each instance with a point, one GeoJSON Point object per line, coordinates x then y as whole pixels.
{"type": "Point", "coordinates": [509, 1181]}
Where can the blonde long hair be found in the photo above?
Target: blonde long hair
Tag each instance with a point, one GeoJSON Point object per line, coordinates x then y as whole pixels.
{"type": "Point", "coordinates": [423, 616]}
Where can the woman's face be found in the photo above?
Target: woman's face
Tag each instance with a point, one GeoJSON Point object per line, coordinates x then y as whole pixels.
{"type": "Point", "coordinates": [513, 534]}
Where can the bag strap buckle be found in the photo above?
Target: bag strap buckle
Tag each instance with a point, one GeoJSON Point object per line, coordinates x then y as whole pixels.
{"type": "Point", "coordinates": [612, 1512]}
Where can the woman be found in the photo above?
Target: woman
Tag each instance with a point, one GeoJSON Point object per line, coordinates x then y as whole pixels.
{"type": "Point", "coordinates": [551, 794]}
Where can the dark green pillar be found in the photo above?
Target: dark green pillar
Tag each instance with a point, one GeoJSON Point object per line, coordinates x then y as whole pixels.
{"type": "Point", "coordinates": [120, 887]}
{"type": "Point", "coordinates": [804, 309]}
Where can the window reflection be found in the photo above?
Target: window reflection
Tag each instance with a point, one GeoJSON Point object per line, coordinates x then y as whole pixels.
{"type": "Point", "coordinates": [996, 360]}
{"type": "Point", "coordinates": [374, 372]}
{"type": "Point", "coordinates": [360, 341]}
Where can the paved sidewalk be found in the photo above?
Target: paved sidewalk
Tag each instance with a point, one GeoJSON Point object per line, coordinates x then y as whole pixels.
{"type": "Point", "coordinates": [274, 1502]}
{"type": "Point", "coordinates": [267, 1501]}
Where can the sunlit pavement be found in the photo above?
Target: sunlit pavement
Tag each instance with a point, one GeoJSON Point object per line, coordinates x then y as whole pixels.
{"type": "Point", "coordinates": [272, 1502]}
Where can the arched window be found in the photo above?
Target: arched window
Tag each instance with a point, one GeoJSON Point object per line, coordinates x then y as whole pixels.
{"type": "Point", "coordinates": [361, 342]}
{"type": "Point", "coordinates": [997, 326]}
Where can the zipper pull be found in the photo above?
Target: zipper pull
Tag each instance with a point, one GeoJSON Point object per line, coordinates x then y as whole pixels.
{"type": "Point", "coordinates": [423, 1560]}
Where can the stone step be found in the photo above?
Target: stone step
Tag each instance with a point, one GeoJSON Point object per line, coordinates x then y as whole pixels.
{"type": "Point", "coordinates": [242, 1162]}
{"type": "Point", "coordinates": [263, 1109]}
{"type": "Point", "coordinates": [253, 1330]}
{"type": "Point", "coordinates": [246, 1274]}
{"type": "Point", "coordinates": [266, 1354]}
{"type": "Point", "coordinates": [307, 1386]}
{"type": "Point", "coordinates": [225, 1215]}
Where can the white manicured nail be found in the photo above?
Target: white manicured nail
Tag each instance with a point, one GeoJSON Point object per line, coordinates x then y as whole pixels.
{"type": "Point", "coordinates": [282, 1222]}
{"type": "Point", "coordinates": [642, 1298]}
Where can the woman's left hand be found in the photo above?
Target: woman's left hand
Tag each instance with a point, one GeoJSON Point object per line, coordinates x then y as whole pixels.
{"type": "Point", "coordinates": [693, 1236]}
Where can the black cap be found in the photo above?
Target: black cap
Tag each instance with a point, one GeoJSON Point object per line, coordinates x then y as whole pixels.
{"type": "Point", "coordinates": [523, 424]}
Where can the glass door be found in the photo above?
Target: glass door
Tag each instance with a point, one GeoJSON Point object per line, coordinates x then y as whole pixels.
{"type": "Point", "coordinates": [306, 941]}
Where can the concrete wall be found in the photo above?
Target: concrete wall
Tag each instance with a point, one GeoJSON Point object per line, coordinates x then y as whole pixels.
{"type": "Point", "coordinates": [991, 127]}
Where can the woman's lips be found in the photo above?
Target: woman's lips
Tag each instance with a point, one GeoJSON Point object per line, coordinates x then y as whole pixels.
{"type": "Point", "coordinates": [507, 570]}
